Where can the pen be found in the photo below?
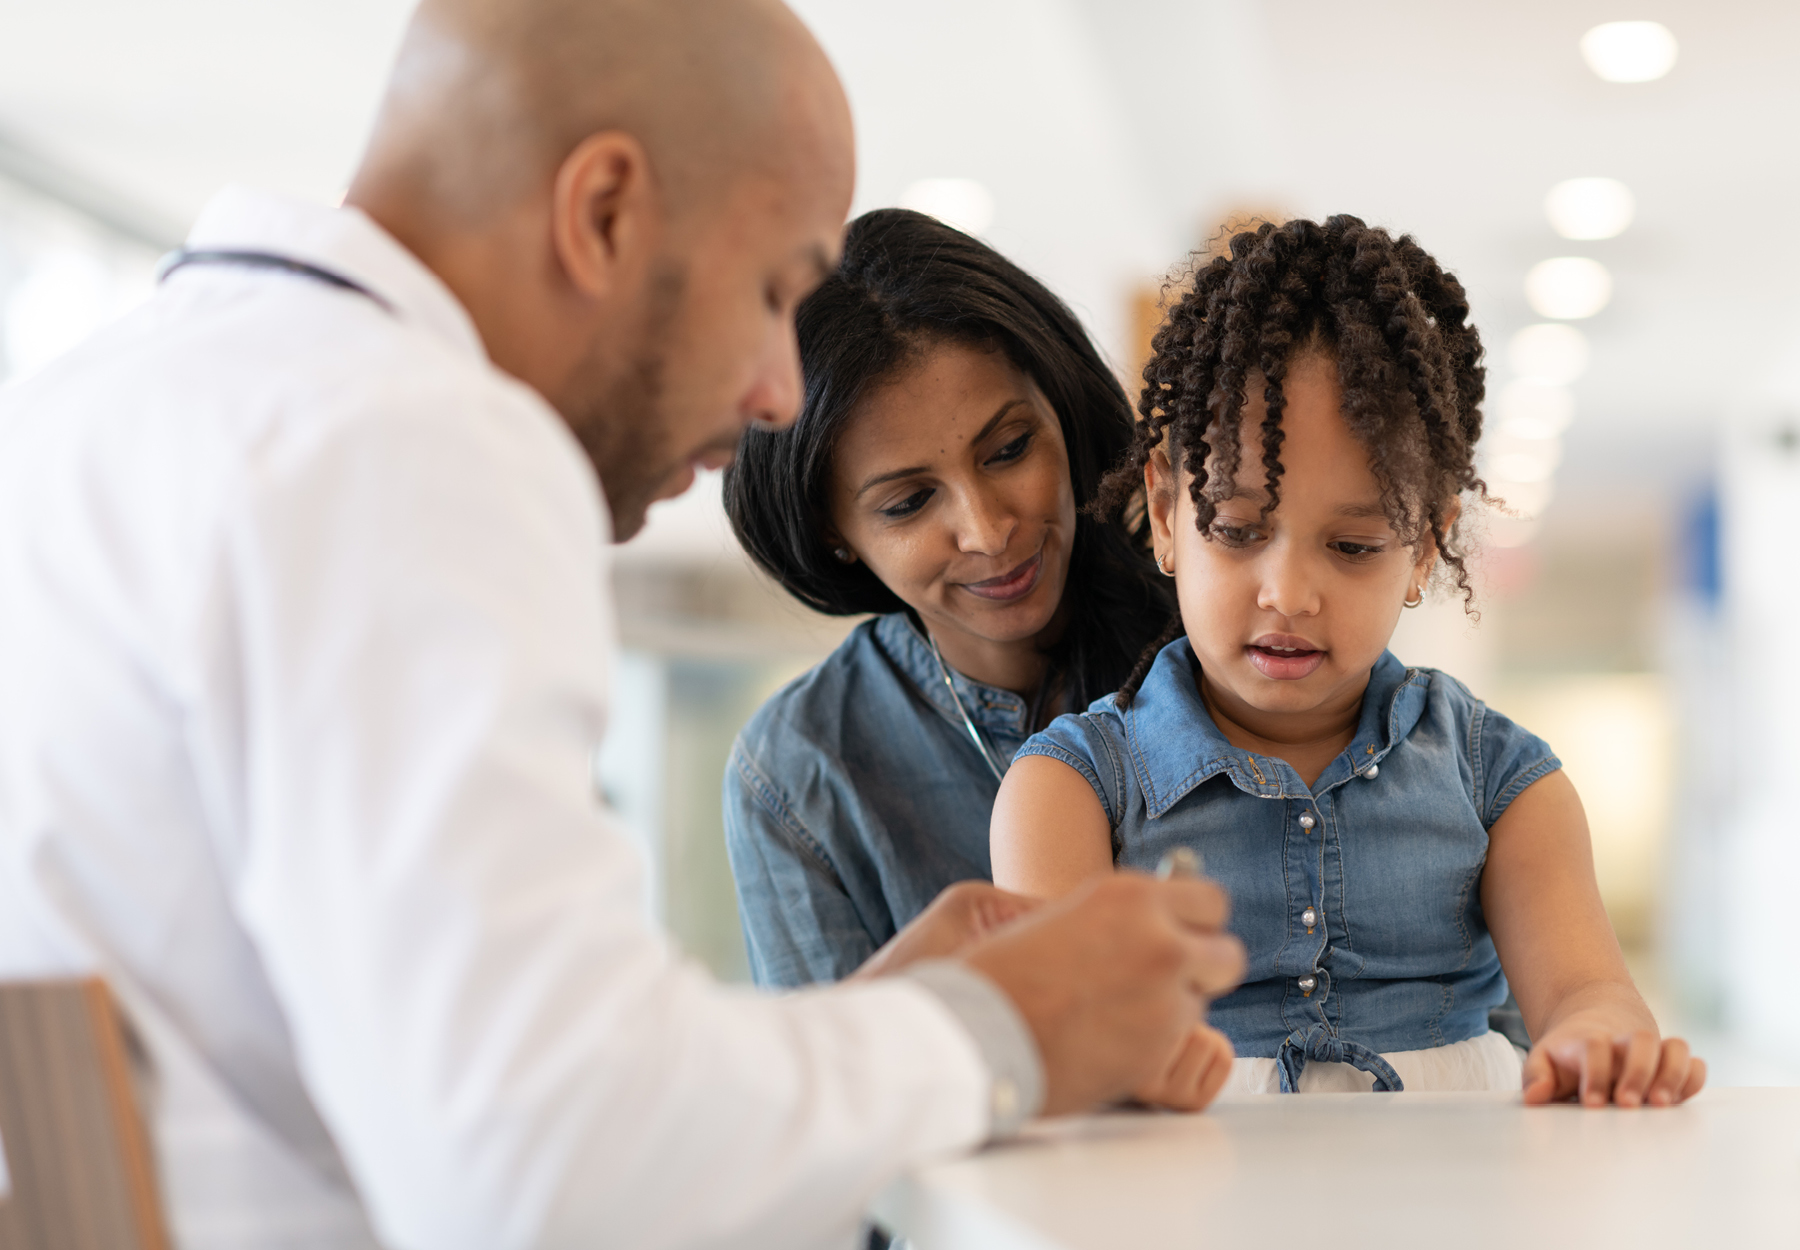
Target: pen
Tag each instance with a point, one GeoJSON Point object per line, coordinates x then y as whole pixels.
{"type": "Point", "coordinates": [1181, 862]}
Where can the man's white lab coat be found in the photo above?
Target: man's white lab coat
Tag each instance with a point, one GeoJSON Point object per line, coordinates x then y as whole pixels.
{"type": "Point", "coordinates": [305, 636]}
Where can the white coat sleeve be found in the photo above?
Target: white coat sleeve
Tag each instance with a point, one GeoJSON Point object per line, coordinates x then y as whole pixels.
{"type": "Point", "coordinates": [506, 1051]}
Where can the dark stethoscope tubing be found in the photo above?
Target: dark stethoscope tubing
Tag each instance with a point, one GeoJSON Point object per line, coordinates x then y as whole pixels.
{"type": "Point", "coordinates": [246, 259]}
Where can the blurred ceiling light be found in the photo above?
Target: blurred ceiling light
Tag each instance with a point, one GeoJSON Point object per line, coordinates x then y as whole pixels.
{"type": "Point", "coordinates": [1568, 288]}
{"type": "Point", "coordinates": [1507, 443]}
{"type": "Point", "coordinates": [1629, 51]}
{"type": "Point", "coordinates": [1517, 467]}
{"type": "Point", "coordinates": [959, 202]}
{"type": "Point", "coordinates": [1533, 410]}
{"type": "Point", "coordinates": [1548, 355]}
{"type": "Point", "coordinates": [1590, 208]}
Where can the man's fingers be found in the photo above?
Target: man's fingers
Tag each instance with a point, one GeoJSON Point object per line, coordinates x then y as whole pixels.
{"type": "Point", "coordinates": [1596, 1072]}
{"type": "Point", "coordinates": [1195, 902]}
{"type": "Point", "coordinates": [1637, 1064]}
{"type": "Point", "coordinates": [1671, 1073]}
{"type": "Point", "coordinates": [1213, 963]}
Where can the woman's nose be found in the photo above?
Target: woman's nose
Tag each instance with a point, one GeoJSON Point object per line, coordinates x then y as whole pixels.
{"type": "Point", "coordinates": [985, 525]}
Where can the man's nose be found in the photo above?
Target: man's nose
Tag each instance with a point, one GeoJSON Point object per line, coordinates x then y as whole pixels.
{"type": "Point", "coordinates": [773, 401]}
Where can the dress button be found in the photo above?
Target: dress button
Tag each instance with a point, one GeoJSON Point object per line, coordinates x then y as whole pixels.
{"type": "Point", "coordinates": [1309, 917]}
{"type": "Point", "coordinates": [1308, 983]}
{"type": "Point", "coordinates": [1372, 771]}
{"type": "Point", "coordinates": [1307, 821]}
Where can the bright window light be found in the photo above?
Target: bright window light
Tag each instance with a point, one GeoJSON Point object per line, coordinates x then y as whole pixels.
{"type": "Point", "coordinates": [960, 202]}
{"type": "Point", "coordinates": [1590, 208]}
{"type": "Point", "coordinates": [1568, 288]}
{"type": "Point", "coordinates": [1522, 467]}
{"type": "Point", "coordinates": [1505, 531]}
{"type": "Point", "coordinates": [1525, 499]}
{"type": "Point", "coordinates": [1548, 355]}
{"type": "Point", "coordinates": [1533, 410]}
{"type": "Point", "coordinates": [1629, 51]}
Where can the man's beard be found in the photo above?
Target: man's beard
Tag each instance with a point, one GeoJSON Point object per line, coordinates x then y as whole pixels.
{"type": "Point", "coordinates": [630, 444]}
{"type": "Point", "coordinates": [626, 431]}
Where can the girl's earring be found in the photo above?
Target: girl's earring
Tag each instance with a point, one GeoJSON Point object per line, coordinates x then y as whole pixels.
{"type": "Point", "coordinates": [1416, 600]}
{"type": "Point", "coordinates": [1162, 563]}
{"type": "Point", "coordinates": [845, 555]}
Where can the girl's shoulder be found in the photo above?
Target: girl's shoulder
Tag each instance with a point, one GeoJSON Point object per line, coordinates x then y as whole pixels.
{"type": "Point", "coordinates": [1500, 757]}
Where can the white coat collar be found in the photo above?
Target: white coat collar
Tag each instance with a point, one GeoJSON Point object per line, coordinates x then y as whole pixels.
{"type": "Point", "coordinates": [345, 241]}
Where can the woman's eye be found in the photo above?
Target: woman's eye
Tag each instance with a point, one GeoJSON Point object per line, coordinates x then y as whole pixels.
{"type": "Point", "coordinates": [1013, 450]}
{"type": "Point", "coordinates": [906, 507]}
{"type": "Point", "coordinates": [1357, 550]}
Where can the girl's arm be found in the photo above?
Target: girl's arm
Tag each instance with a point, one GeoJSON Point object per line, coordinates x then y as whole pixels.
{"type": "Point", "coordinates": [1049, 835]}
{"type": "Point", "coordinates": [1592, 1035]}
{"type": "Point", "coordinates": [1049, 832]}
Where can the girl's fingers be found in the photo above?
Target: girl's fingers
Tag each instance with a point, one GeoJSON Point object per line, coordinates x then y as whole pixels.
{"type": "Point", "coordinates": [1671, 1074]}
{"type": "Point", "coordinates": [1539, 1076]}
{"type": "Point", "coordinates": [1638, 1055]}
{"type": "Point", "coordinates": [1696, 1078]}
{"type": "Point", "coordinates": [1597, 1072]}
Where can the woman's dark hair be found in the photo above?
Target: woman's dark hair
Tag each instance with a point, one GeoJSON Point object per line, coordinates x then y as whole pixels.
{"type": "Point", "coordinates": [907, 283]}
{"type": "Point", "coordinates": [1409, 362]}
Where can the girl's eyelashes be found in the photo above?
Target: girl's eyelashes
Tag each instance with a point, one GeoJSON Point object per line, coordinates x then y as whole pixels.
{"type": "Point", "coordinates": [1234, 535]}
{"type": "Point", "coordinates": [1355, 550]}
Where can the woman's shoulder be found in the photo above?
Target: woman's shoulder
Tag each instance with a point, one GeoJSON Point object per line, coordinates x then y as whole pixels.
{"type": "Point", "coordinates": [819, 696]}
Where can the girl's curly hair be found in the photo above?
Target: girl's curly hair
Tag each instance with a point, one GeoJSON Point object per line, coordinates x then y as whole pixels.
{"type": "Point", "coordinates": [1409, 363]}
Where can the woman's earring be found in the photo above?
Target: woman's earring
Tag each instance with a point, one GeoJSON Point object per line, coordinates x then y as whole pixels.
{"type": "Point", "coordinates": [1162, 563]}
{"type": "Point", "coordinates": [1418, 598]}
{"type": "Point", "coordinates": [845, 555]}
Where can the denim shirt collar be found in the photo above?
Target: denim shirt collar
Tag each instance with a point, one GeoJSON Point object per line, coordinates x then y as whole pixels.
{"type": "Point", "coordinates": [989, 707]}
{"type": "Point", "coordinates": [1175, 745]}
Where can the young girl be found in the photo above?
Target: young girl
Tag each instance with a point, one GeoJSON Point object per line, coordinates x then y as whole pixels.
{"type": "Point", "coordinates": [1397, 853]}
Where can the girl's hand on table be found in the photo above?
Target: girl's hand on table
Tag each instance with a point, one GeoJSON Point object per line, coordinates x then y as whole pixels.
{"type": "Point", "coordinates": [1588, 1060]}
{"type": "Point", "coordinates": [1195, 1075]}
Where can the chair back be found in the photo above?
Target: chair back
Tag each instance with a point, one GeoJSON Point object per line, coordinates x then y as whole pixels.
{"type": "Point", "coordinates": [76, 1171]}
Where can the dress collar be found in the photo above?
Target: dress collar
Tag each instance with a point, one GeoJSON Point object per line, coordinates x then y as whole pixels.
{"type": "Point", "coordinates": [1175, 745]}
{"type": "Point", "coordinates": [990, 707]}
{"type": "Point", "coordinates": [345, 241]}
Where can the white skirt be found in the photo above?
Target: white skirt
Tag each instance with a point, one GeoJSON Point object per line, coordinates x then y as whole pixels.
{"type": "Point", "coordinates": [1485, 1062]}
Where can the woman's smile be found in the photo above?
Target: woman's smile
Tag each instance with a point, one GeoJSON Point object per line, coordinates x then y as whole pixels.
{"type": "Point", "coordinates": [1009, 586]}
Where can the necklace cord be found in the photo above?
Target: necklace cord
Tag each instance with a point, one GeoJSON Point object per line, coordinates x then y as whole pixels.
{"type": "Point", "coordinates": [987, 754]}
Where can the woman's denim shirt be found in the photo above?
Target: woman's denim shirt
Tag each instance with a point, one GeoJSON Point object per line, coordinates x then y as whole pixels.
{"type": "Point", "coordinates": [854, 796]}
{"type": "Point", "coordinates": [1359, 900]}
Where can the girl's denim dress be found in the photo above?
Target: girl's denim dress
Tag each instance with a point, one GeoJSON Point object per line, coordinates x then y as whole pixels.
{"type": "Point", "coordinates": [1358, 901]}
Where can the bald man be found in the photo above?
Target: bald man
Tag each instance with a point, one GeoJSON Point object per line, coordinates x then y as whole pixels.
{"type": "Point", "coordinates": [304, 651]}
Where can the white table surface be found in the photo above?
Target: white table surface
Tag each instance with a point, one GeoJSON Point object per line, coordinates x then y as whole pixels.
{"type": "Point", "coordinates": [1388, 1170]}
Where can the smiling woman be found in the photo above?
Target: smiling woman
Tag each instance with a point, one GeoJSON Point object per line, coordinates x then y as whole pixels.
{"type": "Point", "coordinates": [955, 421]}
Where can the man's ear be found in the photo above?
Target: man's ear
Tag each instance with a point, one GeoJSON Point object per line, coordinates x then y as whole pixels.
{"type": "Point", "coordinates": [606, 213]}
